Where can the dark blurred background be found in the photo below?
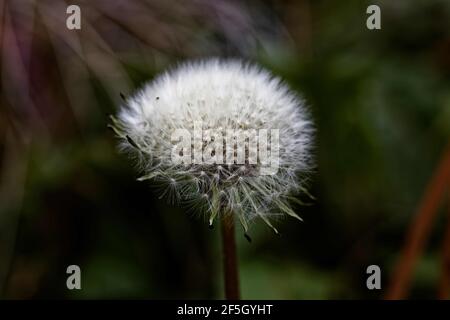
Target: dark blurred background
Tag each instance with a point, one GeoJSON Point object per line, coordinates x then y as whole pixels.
{"type": "Point", "coordinates": [380, 100]}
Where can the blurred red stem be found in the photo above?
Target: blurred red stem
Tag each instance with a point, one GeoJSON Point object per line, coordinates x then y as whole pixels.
{"type": "Point", "coordinates": [444, 285]}
{"type": "Point", "coordinates": [419, 229]}
{"type": "Point", "coordinates": [230, 267]}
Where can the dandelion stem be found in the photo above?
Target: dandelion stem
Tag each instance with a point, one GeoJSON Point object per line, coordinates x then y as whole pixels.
{"type": "Point", "coordinates": [230, 266]}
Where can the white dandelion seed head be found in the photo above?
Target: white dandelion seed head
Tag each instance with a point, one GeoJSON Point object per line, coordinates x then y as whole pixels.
{"type": "Point", "coordinates": [221, 95]}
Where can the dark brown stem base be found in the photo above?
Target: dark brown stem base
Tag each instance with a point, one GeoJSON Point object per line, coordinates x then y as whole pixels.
{"type": "Point", "coordinates": [230, 265]}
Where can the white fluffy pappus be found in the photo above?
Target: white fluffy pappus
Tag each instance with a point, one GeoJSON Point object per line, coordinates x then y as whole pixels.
{"type": "Point", "coordinates": [221, 95]}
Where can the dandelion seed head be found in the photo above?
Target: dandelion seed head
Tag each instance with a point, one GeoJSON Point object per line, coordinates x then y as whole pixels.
{"type": "Point", "coordinates": [222, 96]}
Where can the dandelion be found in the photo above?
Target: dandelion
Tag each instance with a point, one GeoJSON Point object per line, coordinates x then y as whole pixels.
{"type": "Point", "coordinates": [203, 106]}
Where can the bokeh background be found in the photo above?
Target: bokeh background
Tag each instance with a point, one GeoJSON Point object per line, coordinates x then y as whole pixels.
{"type": "Point", "coordinates": [380, 100]}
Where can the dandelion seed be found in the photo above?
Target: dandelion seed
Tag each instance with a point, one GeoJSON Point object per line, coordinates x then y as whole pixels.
{"type": "Point", "coordinates": [222, 96]}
